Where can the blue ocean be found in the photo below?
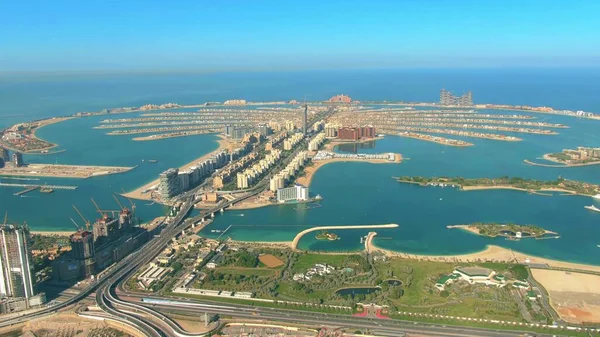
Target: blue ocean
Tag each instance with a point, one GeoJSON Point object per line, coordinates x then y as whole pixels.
{"type": "Point", "coordinates": [354, 193]}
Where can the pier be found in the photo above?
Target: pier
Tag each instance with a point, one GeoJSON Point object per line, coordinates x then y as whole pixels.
{"type": "Point", "coordinates": [30, 187]}
{"type": "Point", "coordinates": [27, 190]}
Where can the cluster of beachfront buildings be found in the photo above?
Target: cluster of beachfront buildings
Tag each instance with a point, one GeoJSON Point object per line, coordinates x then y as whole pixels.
{"type": "Point", "coordinates": [485, 276]}
{"type": "Point", "coordinates": [173, 182]}
{"type": "Point", "coordinates": [290, 171]}
{"type": "Point", "coordinates": [249, 176]}
{"type": "Point", "coordinates": [320, 269]}
{"type": "Point", "coordinates": [315, 143]}
{"type": "Point", "coordinates": [327, 155]}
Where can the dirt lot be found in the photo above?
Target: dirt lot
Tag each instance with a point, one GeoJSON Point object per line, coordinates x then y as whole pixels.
{"type": "Point", "coordinates": [575, 296]}
{"type": "Point", "coordinates": [270, 260]}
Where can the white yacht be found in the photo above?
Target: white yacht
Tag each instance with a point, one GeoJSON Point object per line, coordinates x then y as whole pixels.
{"type": "Point", "coordinates": [597, 196]}
{"type": "Point", "coordinates": [592, 208]}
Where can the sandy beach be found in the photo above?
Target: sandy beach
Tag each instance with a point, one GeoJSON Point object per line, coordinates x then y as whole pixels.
{"type": "Point", "coordinates": [493, 253]}
{"type": "Point", "coordinates": [310, 171]}
{"type": "Point", "coordinates": [137, 193]}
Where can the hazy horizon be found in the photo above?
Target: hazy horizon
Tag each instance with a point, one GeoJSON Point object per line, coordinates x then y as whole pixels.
{"type": "Point", "coordinates": [272, 35]}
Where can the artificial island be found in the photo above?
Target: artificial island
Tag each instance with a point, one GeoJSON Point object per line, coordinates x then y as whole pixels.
{"type": "Point", "coordinates": [513, 183]}
{"type": "Point", "coordinates": [510, 231]}
{"type": "Point", "coordinates": [163, 275]}
{"type": "Point", "coordinates": [582, 156]}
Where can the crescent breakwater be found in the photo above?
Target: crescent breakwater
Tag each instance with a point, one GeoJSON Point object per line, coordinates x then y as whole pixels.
{"type": "Point", "coordinates": [296, 240]}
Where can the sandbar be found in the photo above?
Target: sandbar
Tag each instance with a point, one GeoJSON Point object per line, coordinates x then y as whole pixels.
{"type": "Point", "coordinates": [310, 171]}
{"type": "Point", "coordinates": [137, 193]}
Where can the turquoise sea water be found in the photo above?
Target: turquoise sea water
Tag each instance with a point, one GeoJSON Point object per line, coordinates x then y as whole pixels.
{"type": "Point", "coordinates": [354, 193]}
{"type": "Point", "coordinates": [363, 193]}
{"type": "Point", "coordinates": [87, 146]}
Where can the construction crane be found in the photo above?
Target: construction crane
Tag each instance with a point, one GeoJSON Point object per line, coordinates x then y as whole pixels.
{"type": "Point", "coordinates": [87, 223]}
{"type": "Point", "coordinates": [130, 201]}
{"type": "Point", "coordinates": [118, 203]}
{"type": "Point", "coordinates": [102, 212]}
{"type": "Point", "coordinates": [76, 225]}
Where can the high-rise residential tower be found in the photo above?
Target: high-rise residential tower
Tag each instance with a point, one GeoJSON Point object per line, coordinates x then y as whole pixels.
{"type": "Point", "coordinates": [16, 266]}
{"type": "Point", "coordinates": [304, 119]}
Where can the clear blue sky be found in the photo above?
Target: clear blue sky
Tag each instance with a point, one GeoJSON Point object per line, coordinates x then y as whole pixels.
{"type": "Point", "coordinates": [254, 35]}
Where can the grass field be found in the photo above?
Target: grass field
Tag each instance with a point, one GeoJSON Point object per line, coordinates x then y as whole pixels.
{"type": "Point", "coordinates": [306, 261]}
{"type": "Point", "coordinates": [422, 277]}
{"type": "Point", "coordinates": [287, 293]}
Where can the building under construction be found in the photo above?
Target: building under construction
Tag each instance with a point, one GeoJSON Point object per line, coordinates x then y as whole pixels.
{"type": "Point", "coordinates": [109, 239]}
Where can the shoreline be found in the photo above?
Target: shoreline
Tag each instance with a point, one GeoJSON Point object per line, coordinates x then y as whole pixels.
{"type": "Point", "coordinates": [559, 165]}
{"type": "Point", "coordinates": [96, 171]}
{"type": "Point", "coordinates": [482, 187]}
{"type": "Point", "coordinates": [137, 193]}
{"type": "Point", "coordinates": [432, 139]}
{"type": "Point", "coordinates": [43, 123]}
{"type": "Point", "coordinates": [492, 253]}
{"type": "Point", "coordinates": [500, 187]}
{"type": "Point", "coordinates": [310, 171]}
{"type": "Point", "coordinates": [473, 230]}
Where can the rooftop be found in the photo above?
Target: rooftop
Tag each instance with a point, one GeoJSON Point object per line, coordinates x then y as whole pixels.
{"type": "Point", "coordinates": [475, 271]}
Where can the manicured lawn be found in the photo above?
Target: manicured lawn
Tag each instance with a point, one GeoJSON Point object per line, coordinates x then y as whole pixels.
{"type": "Point", "coordinates": [306, 261]}
{"type": "Point", "coordinates": [260, 272]}
{"type": "Point", "coordinates": [287, 293]}
{"type": "Point", "coordinates": [422, 276]}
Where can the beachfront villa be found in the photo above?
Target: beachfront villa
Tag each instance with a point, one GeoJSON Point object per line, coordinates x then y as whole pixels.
{"type": "Point", "coordinates": [472, 275]}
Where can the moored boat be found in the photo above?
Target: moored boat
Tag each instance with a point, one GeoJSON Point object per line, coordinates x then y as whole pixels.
{"type": "Point", "coordinates": [592, 208]}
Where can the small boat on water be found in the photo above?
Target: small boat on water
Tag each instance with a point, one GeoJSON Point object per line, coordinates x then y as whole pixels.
{"type": "Point", "coordinates": [592, 208]}
{"type": "Point", "coordinates": [597, 196]}
{"type": "Point", "coordinates": [153, 161]}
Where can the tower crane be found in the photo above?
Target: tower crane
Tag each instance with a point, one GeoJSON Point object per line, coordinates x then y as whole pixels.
{"type": "Point", "coordinates": [87, 223]}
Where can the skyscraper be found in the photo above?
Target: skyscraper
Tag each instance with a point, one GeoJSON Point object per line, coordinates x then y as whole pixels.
{"type": "Point", "coordinates": [17, 158]}
{"type": "Point", "coordinates": [16, 267]}
{"type": "Point", "coordinates": [304, 119]}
